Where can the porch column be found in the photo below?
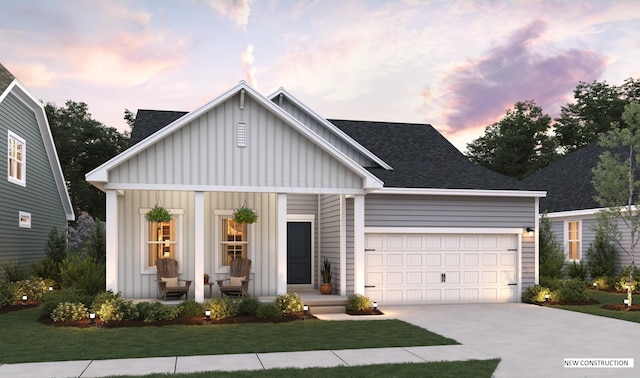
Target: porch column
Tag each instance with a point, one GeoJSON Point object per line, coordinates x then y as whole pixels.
{"type": "Point", "coordinates": [343, 245]}
{"type": "Point", "coordinates": [281, 261]}
{"type": "Point", "coordinates": [112, 240]}
{"type": "Point", "coordinates": [199, 246]}
{"type": "Point", "coordinates": [358, 243]}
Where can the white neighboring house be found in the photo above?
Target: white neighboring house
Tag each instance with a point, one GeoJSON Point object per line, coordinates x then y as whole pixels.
{"type": "Point", "coordinates": [401, 213]}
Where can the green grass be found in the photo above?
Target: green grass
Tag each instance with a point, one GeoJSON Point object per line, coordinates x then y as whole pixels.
{"type": "Point", "coordinates": [26, 340]}
{"type": "Point", "coordinates": [473, 368]}
{"type": "Point", "coordinates": [606, 298]}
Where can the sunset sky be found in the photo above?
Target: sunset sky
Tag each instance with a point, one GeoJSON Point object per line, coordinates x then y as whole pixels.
{"type": "Point", "coordinates": [457, 65]}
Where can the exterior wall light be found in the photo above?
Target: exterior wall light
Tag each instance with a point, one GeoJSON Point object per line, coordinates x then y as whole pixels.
{"type": "Point", "coordinates": [530, 231]}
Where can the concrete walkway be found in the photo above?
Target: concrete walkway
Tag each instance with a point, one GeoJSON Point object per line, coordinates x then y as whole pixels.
{"type": "Point", "coordinates": [531, 341]}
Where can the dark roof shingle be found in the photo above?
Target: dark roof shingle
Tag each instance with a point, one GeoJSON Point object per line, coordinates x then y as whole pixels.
{"type": "Point", "coordinates": [149, 121]}
{"type": "Point", "coordinates": [5, 78]}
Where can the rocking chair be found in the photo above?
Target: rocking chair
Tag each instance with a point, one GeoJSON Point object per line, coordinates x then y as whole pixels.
{"type": "Point", "coordinates": [168, 281]}
{"type": "Point", "coordinates": [238, 281]}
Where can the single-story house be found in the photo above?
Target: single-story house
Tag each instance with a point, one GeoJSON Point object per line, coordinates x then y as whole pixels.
{"type": "Point", "coordinates": [403, 216]}
{"type": "Point", "coordinates": [33, 194]}
{"type": "Point", "coordinates": [570, 203]}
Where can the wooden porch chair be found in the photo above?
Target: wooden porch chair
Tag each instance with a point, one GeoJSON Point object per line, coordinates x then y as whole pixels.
{"type": "Point", "coordinates": [168, 282]}
{"type": "Point", "coordinates": [238, 281]}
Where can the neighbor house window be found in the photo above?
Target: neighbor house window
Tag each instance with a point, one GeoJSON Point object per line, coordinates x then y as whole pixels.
{"type": "Point", "coordinates": [573, 240]}
{"type": "Point", "coordinates": [17, 149]}
{"type": "Point", "coordinates": [160, 240]}
{"type": "Point", "coordinates": [233, 238]}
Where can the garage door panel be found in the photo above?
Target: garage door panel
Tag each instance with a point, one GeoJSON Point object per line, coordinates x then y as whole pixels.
{"type": "Point", "coordinates": [471, 295]}
{"type": "Point", "coordinates": [433, 295]}
{"type": "Point", "coordinates": [375, 278]}
{"type": "Point", "coordinates": [452, 295]}
{"type": "Point", "coordinates": [394, 296]}
{"type": "Point", "coordinates": [489, 277]}
{"type": "Point", "coordinates": [471, 259]}
{"type": "Point", "coordinates": [394, 242]}
{"type": "Point", "coordinates": [394, 278]}
{"type": "Point", "coordinates": [394, 260]}
{"type": "Point", "coordinates": [490, 259]}
{"type": "Point", "coordinates": [472, 277]}
{"type": "Point", "coordinates": [452, 278]}
{"type": "Point", "coordinates": [452, 259]}
{"type": "Point", "coordinates": [433, 277]}
{"type": "Point", "coordinates": [414, 296]}
{"type": "Point", "coordinates": [433, 260]}
{"type": "Point", "coordinates": [414, 260]}
{"type": "Point", "coordinates": [414, 278]}
{"type": "Point", "coordinates": [452, 242]}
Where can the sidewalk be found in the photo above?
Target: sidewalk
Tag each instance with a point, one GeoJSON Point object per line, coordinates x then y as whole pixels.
{"type": "Point", "coordinates": [233, 362]}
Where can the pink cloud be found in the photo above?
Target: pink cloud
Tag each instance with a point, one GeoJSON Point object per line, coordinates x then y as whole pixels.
{"type": "Point", "coordinates": [482, 89]}
{"type": "Point", "coordinates": [248, 69]}
{"type": "Point", "coordinates": [237, 11]}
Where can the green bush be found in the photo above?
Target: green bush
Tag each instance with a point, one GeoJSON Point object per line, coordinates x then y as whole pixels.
{"type": "Point", "coordinates": [151, 311]}
{"type": "Point", "coordinates": [601, 256]}
{"type": "Point", "coordinates": [69, 311]}
{"type": "Point", "coordinates": [12, 272]}
{"type": "Point", "coordinates": [248, 306]}
{"type": "Point", "coordinates": [551, 254]}
{"type": "Point", "coordinates": [102, 298]}
{"type": "Point", "coordinates": [117, 309]}
{"type": "Point", "coordinates": [623, 280]}
{"type": "Point", "coordinates": [576, 270]}
{"type": "Point", "coordinates": [288, 303]}
{"type": "Point", "coordinates": [47, 268]}
{"type": "Point", "coordinates": [189, 309]}
{"type": "Point", "coordinates": [221, 308]}
{"type": "Point", "coordinates": [56, 247]}
{"type": "Point", "coordinates": [604, 283]}
{"type": "Point", "coordinates": [83, 273]}
{"type": "Point", "coordinates": [572, 290]}
{"type": "Point", "coordinates": [358, 302]}
{"type": "Point", "coordinates": [269, 311]}
{"type": "Point", "coordinates": [552, 283]}
{"type": "Point", "coordinates": [33, 288]}
{"type": "Point", "coordinates": [536, 294]}
{"type": "Point", "coordinates": [51, 300]}
{"type": "Point", "coordinates": [7, 294]}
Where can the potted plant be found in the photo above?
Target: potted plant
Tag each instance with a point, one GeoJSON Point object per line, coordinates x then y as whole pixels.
{"type": "Point", "coordinates": [158, 214]}
{"type": "Point", "coordinates": [245, 214]}
{"type": "Point", "coordinates": [206, 278]}
{"type": "Point", "coordinates": [325, 272]}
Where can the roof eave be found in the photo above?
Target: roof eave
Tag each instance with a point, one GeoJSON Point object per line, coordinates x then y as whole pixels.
{"type": "Point", "coordinates": [463, 192]}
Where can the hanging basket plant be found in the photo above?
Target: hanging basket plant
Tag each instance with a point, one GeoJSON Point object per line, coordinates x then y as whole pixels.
{"type": "Point", "coordinates": [158, 214]}
{"type": "Point", "coordinates": [245, 215]}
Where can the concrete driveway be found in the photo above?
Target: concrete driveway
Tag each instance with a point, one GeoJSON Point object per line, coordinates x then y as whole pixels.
{"type": "Point", "coordinates": [532, 341]}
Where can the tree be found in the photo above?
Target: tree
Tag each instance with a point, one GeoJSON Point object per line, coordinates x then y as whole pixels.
{"type": "Point", "coordinates": [616, 180]}
{"type": "Point", "coordinates": [83, 144]}
{"type": "Point", "coordinates": [597, 108]}
{"type": "Point", "coordinates": [518, 145]}
{"type": "Point", "coordinates": [601, 256]}
{"type": "Point", "coordinates": [551, 254]}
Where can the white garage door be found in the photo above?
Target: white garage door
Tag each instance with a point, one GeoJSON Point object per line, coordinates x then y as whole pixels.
{"type": "Point", "coordinates": [428, 268]}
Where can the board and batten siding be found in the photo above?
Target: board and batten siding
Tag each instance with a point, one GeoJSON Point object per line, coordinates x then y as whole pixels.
{"type": "Point", "coordinates": [326, 134]}
{"type": "Point", "coordinates": [330, 212]}
{"type": "Point", "coordinates": [262, 239]}
{"type": "Point", "coordinates": [205, 152]}
{"type": "Point", "coordinates": [40, 196]}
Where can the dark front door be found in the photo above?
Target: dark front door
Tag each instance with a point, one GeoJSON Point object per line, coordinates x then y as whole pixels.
{"type": "Point", "coordinates": [298, 253]}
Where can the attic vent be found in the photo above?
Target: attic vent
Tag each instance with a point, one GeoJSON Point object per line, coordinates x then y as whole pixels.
{"type": "Point", "coordinates": [242, 134]}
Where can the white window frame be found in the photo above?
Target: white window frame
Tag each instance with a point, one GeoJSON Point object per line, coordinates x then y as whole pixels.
{"type": "Point", "coordinates": [217, 240]}
{"type": "Point", "coordinates": [568, 241]}
{"type": "Point", "coordinates": [24, 219]}
{"type": "Point", "coordinates": [178, 214]}
{"type": "Point", "coordinates": [23, 167]}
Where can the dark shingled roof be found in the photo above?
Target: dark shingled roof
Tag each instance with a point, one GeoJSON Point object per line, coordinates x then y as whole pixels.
{"type": "Point", "coordinates": [150, 121]}
{"type": "Point", "coordinates": [568, 181]}
{"type": "Point", "coordinates": [5, 78]}
{"type": "Point", "coordinates": [422, 158]}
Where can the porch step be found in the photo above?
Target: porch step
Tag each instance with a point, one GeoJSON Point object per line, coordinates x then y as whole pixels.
{"type": "Point", "coordinates": [327, 309]}
{"type": "Point", "coordinates": [326, 306]}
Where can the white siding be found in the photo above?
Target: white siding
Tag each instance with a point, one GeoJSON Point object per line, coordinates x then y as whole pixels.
{"type": "Point", "coordinates": [330, 236]}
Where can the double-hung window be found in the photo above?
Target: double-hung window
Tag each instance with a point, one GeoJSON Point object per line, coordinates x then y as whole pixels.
{"type": "Point", "coordinates": [232, 239]}
{"type": "Point", "coordinates": [161, 240]}
{"type": "Point", "coordinates": [16, 167]}
{"type": "Point", "coordinates": [573, 231]}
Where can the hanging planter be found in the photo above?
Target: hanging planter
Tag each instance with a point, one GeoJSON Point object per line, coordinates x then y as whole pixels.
{"type": "Point", "coordinates": [158, 214]}
{"type": "Point", "coordinates": [245, 215]}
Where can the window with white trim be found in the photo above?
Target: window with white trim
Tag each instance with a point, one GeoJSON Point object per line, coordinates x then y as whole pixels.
{"type": "Point", "coordinates": [24, 219]}
{"type": "Point", "coordinates": [574, 240]}
{"type": "Point", "coordinates": [232, 239]}
{"type": "Point", "coordinates": [16, 161]}
{"type": "Point", "coordinates": [161, 240]}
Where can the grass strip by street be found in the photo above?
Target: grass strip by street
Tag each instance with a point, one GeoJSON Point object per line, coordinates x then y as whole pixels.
{"type": "Point", "coordinates": [442, 369]}
{"type": "Point", "coordinates": [26, 340]}
{"type": "Point", "coordinates": [605, 298]}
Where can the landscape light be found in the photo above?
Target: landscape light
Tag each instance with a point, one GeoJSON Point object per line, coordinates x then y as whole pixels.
{"type": "Point", "coordinates": [595, 284]}
{"type": "Point", "coordinates": [92, 317]}
{"type": "Point", "coordinates": [626, 302]}
{"type": "Point", "coordinates": [207, 314]}
{"type": "Point", "coordinates": [546, 297]}
{"type": "Point", "coordinates": [305, 308]}
{"type": "Point", "coordinates": [375, 306]}
{"type": "Point", "coordinates": [50, 288]}
{"type": "Point", "coordinates": [24, 299]}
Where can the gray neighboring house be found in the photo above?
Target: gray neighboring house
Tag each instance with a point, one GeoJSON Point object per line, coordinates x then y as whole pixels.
{"type": "Point", "coordinates": [570, 202]}
{"type": "Point", "coordinates": [33, 192]}
{"type": "Point", "coordinates": [402, 214]}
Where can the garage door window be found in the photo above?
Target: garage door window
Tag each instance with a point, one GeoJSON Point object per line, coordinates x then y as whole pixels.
{"type": "Point", "coordinates": [574, 240]}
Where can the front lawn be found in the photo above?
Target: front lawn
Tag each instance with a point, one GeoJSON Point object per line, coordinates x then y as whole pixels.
{"type": "Point", "coordinates": [24, 339]}
{"type": "Point", "coordinates": [606, 298]}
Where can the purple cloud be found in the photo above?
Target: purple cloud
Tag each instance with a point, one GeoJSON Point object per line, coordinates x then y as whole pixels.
{"type": "Point", "coordinates": [482, 89]}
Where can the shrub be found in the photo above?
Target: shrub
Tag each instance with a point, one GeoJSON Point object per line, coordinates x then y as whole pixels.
{"type": "Point", "coordinates": [220, 308]}
{"type": "Point", "coordinates": [288, 303]}
{"type": "Point", "coordinates": [248, 306]}
{"type": "Point", "coordinates": [623, 280]}
{"type": "Point", "coordinates": [46, 268]}
{"type": "Point", "coordinates": [69, 311]}
{"type": "Point", "coordinates": [83, 273]}
{"type": "Point", "coordinates": [51, 300]}
{"type": "Point", "coordinates": [576, 270]}
{"type": "Point", "coordinates": [189, 309]}
{"type": "Point", "coordinates": [33, 288]}
{"type": "Point", "coordinates": [604, 283]}
{"type": "Point", "coordinates": [102, 298]}
{"type": "Point", "coordinates": [601, 256]}
{"type": "Point", "coordinates": [536, 294]}
{"type": "Point", "coordinates": [7, 294]}
{"type": "Point", "coordinates": [151, 311]}
{"type": "Point", "coordinates": [551, 254]}
{"type": "Point", "coordinates": [12, 272]}
{"type": "Point", "coordinates": [552, 283]}
{"type": "Point", "coordinates": [358, 302]}
{"type": "Point", "coordinates": [117, 309]}
{"type": "Point", "coordinates": [56, 247]}
{"type": "Point", "coordinates": [269, 311]}
{"type": "Point", "coordinates": [572, 290]}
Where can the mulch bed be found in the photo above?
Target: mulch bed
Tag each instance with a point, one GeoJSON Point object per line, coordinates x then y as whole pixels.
{"type": "Point", "coordinates": [18, 306]}
{"type": "Point", "coordinates": [369, 311]}
{"type": "Point", "coordinates": [622, 307]}
{"type": "Point", "coordinates": [575, 303]}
